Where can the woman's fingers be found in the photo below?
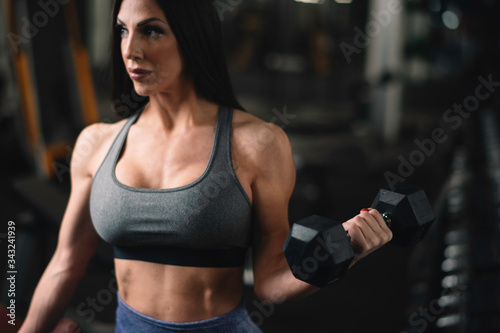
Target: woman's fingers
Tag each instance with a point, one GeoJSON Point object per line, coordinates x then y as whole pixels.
{"type": "Point", "coordinates": [368, 231]}
{"type": "Point", "coordinates": [362, 236]}
{"type": "Point", "coordinates": [377, 223]}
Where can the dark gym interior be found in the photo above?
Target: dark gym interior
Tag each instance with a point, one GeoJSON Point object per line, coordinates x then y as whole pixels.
{"type": "Point", "coordinates": [370, 93]}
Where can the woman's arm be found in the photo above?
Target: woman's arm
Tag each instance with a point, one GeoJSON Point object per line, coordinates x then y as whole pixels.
{"type": "Point", "coordinates": [76, 245]}
{"type": "Point", "coordinates": [272, 188]}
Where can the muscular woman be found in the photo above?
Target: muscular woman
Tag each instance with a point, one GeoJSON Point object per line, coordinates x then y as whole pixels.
{"type": "Point", "coordinates": [181, 188]}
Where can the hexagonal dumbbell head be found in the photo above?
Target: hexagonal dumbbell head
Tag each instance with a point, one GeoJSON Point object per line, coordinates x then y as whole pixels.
{"type": "Point", "coordinates": [408, 212]}
{"type": "Point", "coordinates": [318, 250]}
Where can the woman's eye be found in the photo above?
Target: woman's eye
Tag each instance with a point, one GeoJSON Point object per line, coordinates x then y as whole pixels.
{"type": "Point", "coordinates": [153, 32]}
{"type": "Point", "coordinates": [121, 30]}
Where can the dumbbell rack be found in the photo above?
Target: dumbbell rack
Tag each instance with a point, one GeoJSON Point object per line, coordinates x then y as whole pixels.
{"type": "Point", "coordinates": [454, 274]}
{"type": "Point", "coordinates": [486, 289]}
{"type": "Point", "coordinates": [456, 279]}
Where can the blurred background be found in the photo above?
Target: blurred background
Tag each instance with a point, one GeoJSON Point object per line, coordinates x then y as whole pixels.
{"type": "Point", "coordinates": [369, 92]}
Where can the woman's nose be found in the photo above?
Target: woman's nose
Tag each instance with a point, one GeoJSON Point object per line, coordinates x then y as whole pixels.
{"type": "Point", "coordinates": [132, 47]}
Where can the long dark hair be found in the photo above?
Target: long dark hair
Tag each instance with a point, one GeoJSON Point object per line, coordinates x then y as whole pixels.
{"type": "Point", "coordinates": [197, 28]}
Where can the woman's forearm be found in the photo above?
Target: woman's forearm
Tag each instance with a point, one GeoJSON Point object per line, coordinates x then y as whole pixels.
{"type": "Point", "coordinates": [51, 298]}
{"type": "Point", "coordinates": [283, 286]}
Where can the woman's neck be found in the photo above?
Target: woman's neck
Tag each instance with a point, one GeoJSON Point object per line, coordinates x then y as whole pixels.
{"type": "Point", "coordinates": [178, 112]}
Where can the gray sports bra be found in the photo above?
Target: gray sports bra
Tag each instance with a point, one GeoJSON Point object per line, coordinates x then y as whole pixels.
{"type": "Point", "coordinates": [206, 223]}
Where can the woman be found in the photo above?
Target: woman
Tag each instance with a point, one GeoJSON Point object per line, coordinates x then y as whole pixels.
{"type": "Point", "coordinates": [181, 188]}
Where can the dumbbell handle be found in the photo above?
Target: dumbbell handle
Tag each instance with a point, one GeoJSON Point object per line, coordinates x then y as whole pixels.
{"type": "Point", "coordinates": [387, 219]}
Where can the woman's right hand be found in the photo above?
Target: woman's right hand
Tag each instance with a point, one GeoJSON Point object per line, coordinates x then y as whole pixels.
{"type": "Point", "coordinates": [77, 243]}
{"type": "Point", "coordinates": [67, 325]}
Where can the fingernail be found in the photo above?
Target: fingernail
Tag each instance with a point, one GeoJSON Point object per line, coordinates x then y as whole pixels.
{"type": "Point", "coordinates": [365, 210]}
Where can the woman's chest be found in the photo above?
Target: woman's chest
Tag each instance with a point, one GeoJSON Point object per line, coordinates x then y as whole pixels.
{"type": "Point", "coordinates": [178, 163]}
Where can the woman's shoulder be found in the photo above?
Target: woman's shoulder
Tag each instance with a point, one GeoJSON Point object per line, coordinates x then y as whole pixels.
{"type": "Point", "coordinates": [259, 140]}
{"type": "Point", "coordinates": [93, 144]}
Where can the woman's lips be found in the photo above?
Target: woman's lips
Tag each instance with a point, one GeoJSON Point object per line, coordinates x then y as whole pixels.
{"type": "Point", "coordinates": [138, 74]}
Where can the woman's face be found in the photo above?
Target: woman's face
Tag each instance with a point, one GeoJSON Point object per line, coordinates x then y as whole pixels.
{"type": "Point", "coordinates": [149, 48]}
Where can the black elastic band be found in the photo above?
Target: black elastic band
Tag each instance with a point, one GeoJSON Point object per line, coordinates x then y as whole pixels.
{"type": "Point", "coordinates": [234, 257]}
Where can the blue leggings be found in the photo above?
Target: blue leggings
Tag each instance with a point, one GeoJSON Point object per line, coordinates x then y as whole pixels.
{"type": "Point", "coordinates": [129, 320]}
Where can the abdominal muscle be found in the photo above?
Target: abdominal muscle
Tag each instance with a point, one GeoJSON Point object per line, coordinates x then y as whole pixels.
{"type": "Point", "coordinates": [178, 293]}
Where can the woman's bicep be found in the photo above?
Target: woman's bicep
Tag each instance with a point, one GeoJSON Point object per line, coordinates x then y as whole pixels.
{"type": "Point", "coordinates": [78, 239]}
{"type": "Point", "coordinates": [272, 189]}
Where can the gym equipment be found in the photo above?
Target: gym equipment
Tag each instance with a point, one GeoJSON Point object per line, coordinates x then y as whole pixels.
{"type": "Point", "coordinates": [56, 91]}
{"type": "Point", "coordinates": [318, 250]}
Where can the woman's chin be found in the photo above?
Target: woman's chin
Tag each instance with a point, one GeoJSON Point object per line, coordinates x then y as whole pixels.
{"type": "Point", "coordinates": [142, 91]}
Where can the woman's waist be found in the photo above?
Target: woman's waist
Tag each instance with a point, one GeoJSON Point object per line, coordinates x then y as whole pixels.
{"type": "Point", "coordinates": [177, 293]}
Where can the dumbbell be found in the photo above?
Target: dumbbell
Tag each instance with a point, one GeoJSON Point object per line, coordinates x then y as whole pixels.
{"type": "Point", "coordinates": [318, 249]}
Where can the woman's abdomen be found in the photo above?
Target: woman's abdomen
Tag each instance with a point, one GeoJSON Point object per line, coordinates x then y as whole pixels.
{"type": "Point", "coordinates": [178, 293]}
